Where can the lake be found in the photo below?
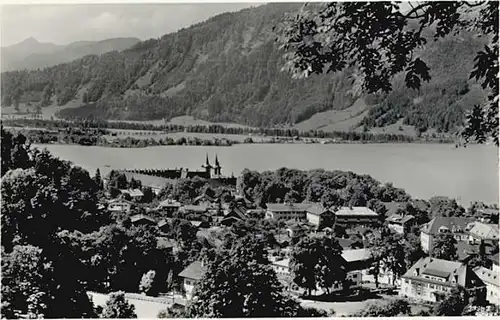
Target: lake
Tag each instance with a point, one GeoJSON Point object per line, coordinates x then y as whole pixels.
{"type": "Point", "coordinates": [423, 170]}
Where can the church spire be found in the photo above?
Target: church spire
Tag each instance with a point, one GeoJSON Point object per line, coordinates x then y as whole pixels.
{"type": "Point", "coordinates": [207, 164]}
{"type": "Point", "coordinates": [217, 165]}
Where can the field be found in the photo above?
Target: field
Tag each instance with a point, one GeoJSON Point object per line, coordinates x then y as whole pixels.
{"type": "Point", "coordinates": [336, 120]}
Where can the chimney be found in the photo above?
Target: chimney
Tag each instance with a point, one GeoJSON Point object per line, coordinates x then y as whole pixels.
{"type": "Point", "coordinates": [417, 271]}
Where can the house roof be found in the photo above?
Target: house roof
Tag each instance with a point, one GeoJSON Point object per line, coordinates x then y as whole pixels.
{"type": "Point", "coordinates": [488, 276]}
{"type": "Point", "coordinates": [444, 269]}
{"type": "Point", "coordinates": [169, 203]}
{"type": "Point", "coordinates": [352, 255]}
{"type": "Point", "coordinates": [229, 219]}
{"type": "Point", "coordinates": [356, 211]}
{"type": "Point", "coordinates": [488, 211]}
{"type": "Point", "coordinates": [432, 227]}
{"type": "Point", "coordinates": [316, 209]}
{"type": "Point", "coordinates": [203, 197]}
{"type": "Point", "coordinates": [194, 271]}
{"type": "Point", "coordinates": [238, 212]}
{"type": "Point", "coordinates": [288, 207]}
{"type": "Point", "coordinates": [133, 192]}
{"type": "Point", "coordinates": [282, 263]}
{"type": "Point", "coordinates": [196, 208]}
{"type": "Point", "coordinates": [196, 223]}
{"type": "Point", "coordinates": [162, 223]}
{"type": "Point", "coordinates": [396, 218]}
{"type": "Point", "coordinates": [120, 200]}
{"type": "Point", "coordinates": [139, 217]}
{"type": "Point", "coordinates": [345, 243]}
{"type": "Point", "coordinates": [392, 207]}
{"type": "Point", "coordinates": [495, 259]}
{"type": "Point", "coordinates": [163, 242]}
{"type": "Point", "coordinates": [484, 231]}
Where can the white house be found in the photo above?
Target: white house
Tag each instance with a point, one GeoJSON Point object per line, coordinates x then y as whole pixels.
{"type": "Point", "coordinates": [354, 273]}
{"type": "Point", "coordinates": [356, 216]}
{"type": "Point", "coordinates": [191, 275]}
{"type": "Point", "coordinates": [492, 281]}
{"type": "Point", "coordinates": [457, 226]}
{"type": "Point", "coordinates": [316, 213]}
{"type": "Point", "coordinates": [287, 211]}
{"type": "Point", "coordinates": [119, 205]}
{"type": "Point", "coordinates": [133, 193]}
{"type": "Point", "coordinates": [430, 278]}
{"type": "Point", "coordinates": [400, 224]}
{"type": "Point", "coordinates": [483, 232]}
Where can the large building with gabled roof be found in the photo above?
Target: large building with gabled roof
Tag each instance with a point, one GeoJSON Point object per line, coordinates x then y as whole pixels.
{"type": "Point", "coordinates": [431, 279]}
{"type": "Point", "coordinates": [457, 226]}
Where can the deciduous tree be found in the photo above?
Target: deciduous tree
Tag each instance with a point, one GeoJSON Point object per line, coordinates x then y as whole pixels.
{"type": "Point", "coordinates": [117, 306]}
{"type": "Point", "coordinates": [340, 35]}
{"type": "Point", "coordinates": [444, 247]}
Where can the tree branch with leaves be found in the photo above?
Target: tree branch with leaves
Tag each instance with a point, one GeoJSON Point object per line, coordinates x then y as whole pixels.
{"type": "Point", "coordinates": [375, 42]}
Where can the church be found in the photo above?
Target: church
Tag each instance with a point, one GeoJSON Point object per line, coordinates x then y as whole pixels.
{"type": "Point", "coordinates": [156, 179]}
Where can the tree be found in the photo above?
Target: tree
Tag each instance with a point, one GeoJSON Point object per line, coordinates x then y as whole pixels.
{"type": "Point", "coordinates": [118, 307]}
{"type": "Point", "coordinates": [377, 252]}
{"type": "Point", "coordinates": [98, 180]}
{"type": "Point", "coordinates": [337, 36]}
{"type": "Point", "coordinates": [240, 282]}
{"type": "Point", "coordinates": [393, 308]}
{"type": "Point", "coordinates": [148, 195]}
{"type": "Point", "coordinates": [445, 247]}
{"type": "Point", "coordinates": [413, 250]}
{"type": "Point", "coordinates": [34, 283]}
{"type": "Point", "coordinates": [23, 275]}
{"type": "Point", "coordinates": [185, 233]}
{"type": "Point", "coordinates": [147, 282]}
{"type": "Point", "coordinates": [330, 267]}
{"type": "Point", "coordinates": [394, 257]}
{"type": "Point", "coordinates": [480, 259]}
{"type": "Point", "coordinates": [170, 313]}
{"type": "Point", "coordinates": [445, 207]}
{"type": "Point", "coordinates": [452, 305]}
{"type": "Point", "coordinates": [316, 261]}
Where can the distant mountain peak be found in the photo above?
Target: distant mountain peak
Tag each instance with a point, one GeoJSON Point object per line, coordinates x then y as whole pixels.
{"type": "Point", "coordinates": [30, 40]}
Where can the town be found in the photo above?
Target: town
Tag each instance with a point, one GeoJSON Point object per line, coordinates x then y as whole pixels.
{"type": "Point", "coordinates": [452, 251]}
{"type": "Point", "coordinates": [335, 243]}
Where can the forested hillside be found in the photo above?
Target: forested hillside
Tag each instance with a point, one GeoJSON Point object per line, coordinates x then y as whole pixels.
{"type": "Point", "coordinates": [228, 69]}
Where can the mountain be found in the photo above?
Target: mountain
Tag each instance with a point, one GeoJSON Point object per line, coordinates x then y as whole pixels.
{"type": "Point", "coordinates": [228, 69]}
{"type": "Point", "coordinates": [31, 54]}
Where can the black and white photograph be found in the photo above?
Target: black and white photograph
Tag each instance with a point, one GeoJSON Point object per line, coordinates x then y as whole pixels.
{"type": "Point", "coordinates": [249, 159]}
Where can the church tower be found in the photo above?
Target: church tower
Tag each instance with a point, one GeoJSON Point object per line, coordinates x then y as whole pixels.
{"type": "Point", "coordinates": [217, 167]}
{"type": "Point", "coordinates": [207, 166]}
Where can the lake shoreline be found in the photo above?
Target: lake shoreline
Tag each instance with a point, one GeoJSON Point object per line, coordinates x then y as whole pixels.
{"type": "Point", "coordinates": [423, 170]}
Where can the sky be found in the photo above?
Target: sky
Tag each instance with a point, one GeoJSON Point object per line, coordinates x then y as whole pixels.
{"type": "Point", "coordinates": [65, 23]}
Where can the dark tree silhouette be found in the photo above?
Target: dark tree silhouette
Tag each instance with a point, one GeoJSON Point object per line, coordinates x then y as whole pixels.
{"type": "Point", "coordinates": [376, 41]}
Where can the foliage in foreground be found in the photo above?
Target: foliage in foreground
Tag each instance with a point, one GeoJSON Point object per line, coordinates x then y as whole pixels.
{"type": "Point", "coordinates": [340, 35]}
{"type": "Point", "coordinates": [240, 282]}
{"type": "Point", "coordinates": [117, 307]}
